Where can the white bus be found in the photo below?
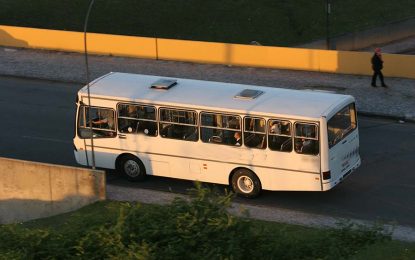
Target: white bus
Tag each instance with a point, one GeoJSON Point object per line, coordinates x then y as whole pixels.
{"type": "Point", "coordinates": [249, 137]}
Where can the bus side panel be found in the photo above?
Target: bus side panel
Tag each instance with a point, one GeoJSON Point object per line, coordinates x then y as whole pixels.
{"type": "Point", "coordinates": [188, 169]}
{"type": "Point", "coordinates": [104, 158]}
{"type": "Point", "coordinates": [215, 172]}
{"type": "Point", "coordinates": [271, 178]}
{"type": "Point", "coordinates": [291, 171]}
{"type": "Point", "coordinates": [80, 157]}
{"type": "Point", "coordinates": [274, 180]}
{"type": "Point", "coordinates": [157, 165]}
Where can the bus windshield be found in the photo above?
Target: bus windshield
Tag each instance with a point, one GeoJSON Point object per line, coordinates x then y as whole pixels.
{"type": "Point", "coordinates": [341, 124]}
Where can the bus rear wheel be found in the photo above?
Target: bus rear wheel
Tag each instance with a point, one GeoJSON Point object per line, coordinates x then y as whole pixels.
{"type": "Point", "coordinates": [246, 184]}
{"type": "Point", "coordinates": [132, 168]}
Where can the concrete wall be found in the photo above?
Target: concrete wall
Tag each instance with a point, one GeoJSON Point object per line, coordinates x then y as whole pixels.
{"type": "Point", "coordinates": [30, 190]}
{"type": "Point", "coordinates": [367, 38]}
{"type": "Point", "coordinates": [345, 62]}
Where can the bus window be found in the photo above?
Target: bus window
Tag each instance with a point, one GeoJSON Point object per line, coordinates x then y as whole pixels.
{"type": "Point", "coordinates": [178, 124]}
{"type": "Point", "coordinates": [102, 122]}
{"type": "Point", "coordinates": [254, 133]}
{"type": "Point", "coordinates": [342, 123]}
{"type": "Point", "coordinates": [137, 119]}
{"type": "Point", "coordinates": [220, 129]}
{"type": "Point", "coordinates": [306, 138]}
{"type": "Point", "coordinates": [279, 135]}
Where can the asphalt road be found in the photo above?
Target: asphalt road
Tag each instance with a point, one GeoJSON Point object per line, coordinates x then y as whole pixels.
{"type": "Point", "coordinates": [37, 119]}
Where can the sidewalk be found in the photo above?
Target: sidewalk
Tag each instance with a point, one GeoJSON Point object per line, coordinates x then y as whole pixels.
{"type": "Point", "coordinates": [397, 101]}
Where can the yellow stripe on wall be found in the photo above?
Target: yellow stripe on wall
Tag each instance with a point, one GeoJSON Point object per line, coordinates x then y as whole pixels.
{"type": "Point", "coordinates": [345, 62]}
{"type": "Point", "coordinates": [105, 44]}
{"type": "Point", "coordinates": [119, 45]}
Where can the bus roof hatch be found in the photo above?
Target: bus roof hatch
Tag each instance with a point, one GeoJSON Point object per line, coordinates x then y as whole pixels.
{"type": "Point", "coordinates": [249, 94]}
{"type": "Point", "coordinates": [164, 84]}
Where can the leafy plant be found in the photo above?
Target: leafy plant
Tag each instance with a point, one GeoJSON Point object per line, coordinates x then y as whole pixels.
{"type": "Point", "coordinates": [199, 227]}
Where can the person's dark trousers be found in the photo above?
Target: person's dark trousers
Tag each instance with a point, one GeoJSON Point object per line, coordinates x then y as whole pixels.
{"type": "Point", "coordinates": [375, 75]}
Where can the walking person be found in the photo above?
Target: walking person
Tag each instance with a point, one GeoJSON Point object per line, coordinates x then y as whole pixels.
{"type": "Point", "coordinates": [377, 66]}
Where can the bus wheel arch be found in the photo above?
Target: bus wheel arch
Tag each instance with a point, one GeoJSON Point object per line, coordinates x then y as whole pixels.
{"type": "Point", "coordinates": [245, 183]}
{"type": "Point", "coordinates": [131, 167]}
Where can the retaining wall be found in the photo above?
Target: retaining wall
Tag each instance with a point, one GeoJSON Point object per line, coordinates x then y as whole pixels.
{"type": "Point", "coordinates": [30, 190]}
{"type": "Point", "coordinates": [345, 62]}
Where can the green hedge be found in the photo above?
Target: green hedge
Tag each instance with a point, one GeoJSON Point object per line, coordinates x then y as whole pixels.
{"type": "Point", "coordinates": [199, 228]}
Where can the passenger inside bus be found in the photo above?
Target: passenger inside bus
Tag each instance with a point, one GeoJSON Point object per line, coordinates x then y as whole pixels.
{"type": "Point", "coordinates": [238, 140]}
{"type": "Point", "coordinates": [104, 119]}
{"type": "Point", "coordinates": [280, 136]}
{"type": "Point", "coordinates": [275, 128]}
{"type": "Point", "coordinates": [306, 142]}
{"type": "Point", "coordinates": [254, 135]}
{"type": "Point", "coordinates": [132, 111]}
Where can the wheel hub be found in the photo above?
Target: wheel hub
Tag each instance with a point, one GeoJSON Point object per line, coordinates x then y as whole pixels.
{"type": "Point", "coordinates": [245, 184]}
{"type": "Point", "coordinates": [131, 168]}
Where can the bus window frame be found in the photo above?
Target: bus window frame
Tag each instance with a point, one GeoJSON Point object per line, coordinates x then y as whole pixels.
{"type": "Point", "coordinates": [240, 130]}
{"type": "Point", "coordinates": [264, 142]}
{"type": "Point", "coordinates": [282, 135]}
{"type": "Point", "coordinates": [317, 125]}
{"type": "Point", "coordinates": [82, 109]}
{"type": "Point", "coordinates": [156, 121]}
{"type": "Point", "coordinates": [196, 125]}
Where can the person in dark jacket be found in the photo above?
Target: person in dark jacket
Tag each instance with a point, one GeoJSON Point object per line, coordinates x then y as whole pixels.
{"type": "Point", "coordinates": [377, 66]}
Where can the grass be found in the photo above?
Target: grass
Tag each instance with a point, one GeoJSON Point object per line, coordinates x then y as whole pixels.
{"type": "Point", "coordinates": [270, 22]}
{"type": "Point", "coordinates": [86, 218]}
{"type": "Point", "coordinates": [197, 229]}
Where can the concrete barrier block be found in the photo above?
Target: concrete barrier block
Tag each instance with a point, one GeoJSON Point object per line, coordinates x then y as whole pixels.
{"type": "Point", "coordinates": [30, 190]}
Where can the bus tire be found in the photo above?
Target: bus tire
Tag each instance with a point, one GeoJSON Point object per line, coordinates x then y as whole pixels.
{"type": "Point", "coordinates": [246, 184]}
{"type": "Point", "coordinates": [132, 168]}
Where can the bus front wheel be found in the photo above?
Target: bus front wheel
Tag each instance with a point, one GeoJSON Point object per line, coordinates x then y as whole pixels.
{"type": "Point", "coordinates": [246, 184]}
{"type": "Point", "coordinates": [132, 168]}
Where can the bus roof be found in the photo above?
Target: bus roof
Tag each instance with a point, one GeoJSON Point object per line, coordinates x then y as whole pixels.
{"type": "Point", "coordinates": [217, 96]}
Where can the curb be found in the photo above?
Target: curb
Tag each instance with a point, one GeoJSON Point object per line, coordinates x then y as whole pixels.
{"type": "Point", "coordinates": [41, 78]}
{"type": "Point", "coordinates": [401, 119]}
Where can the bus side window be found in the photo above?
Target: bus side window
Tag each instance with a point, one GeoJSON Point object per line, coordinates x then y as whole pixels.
{"type": "Point", "coordinates": [306, 139]}
{"type": "Point", "coordinates": [279, 135]}
{"type": "Point", "coordinates": [137, 119]}
{"type": "Point", "coordinates": [220, 129]}
{"type": "Point", "coordinates": [254, 133]}
{"type": "Point", "coordinates": [178, 124]}
{"type": "Point", "coordinates": [102, 120]}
